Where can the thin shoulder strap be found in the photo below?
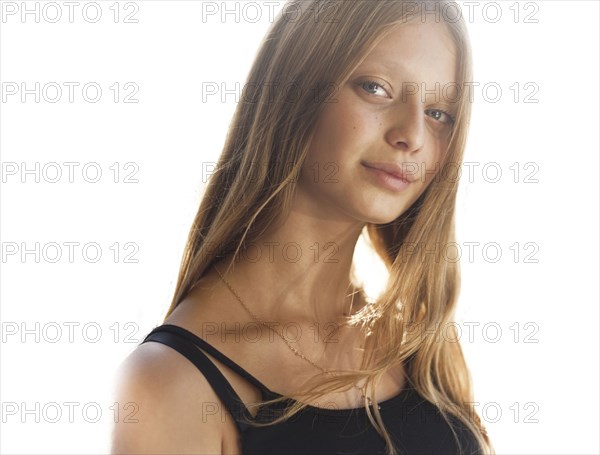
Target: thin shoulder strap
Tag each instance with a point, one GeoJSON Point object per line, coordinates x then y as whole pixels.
{"type": "Point", "coordinates": [220, 385]}
{"type": "Point", "coordinates": [183, 342]}
{"type": "Point", "coordinates": [215, 353]}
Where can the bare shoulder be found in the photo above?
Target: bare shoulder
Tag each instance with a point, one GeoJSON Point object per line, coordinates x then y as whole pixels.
{"type": "Point", "coordinates": [167, 399]}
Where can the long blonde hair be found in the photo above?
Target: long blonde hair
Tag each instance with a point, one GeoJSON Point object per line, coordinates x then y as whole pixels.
{"type": "Point", "coordinates": [312, 47]}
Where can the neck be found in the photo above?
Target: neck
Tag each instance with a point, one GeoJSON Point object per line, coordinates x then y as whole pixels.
{"type": "Point", "coordinates": [298, 272]}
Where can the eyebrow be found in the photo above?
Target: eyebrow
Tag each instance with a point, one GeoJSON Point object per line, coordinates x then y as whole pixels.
{"type": "Point", "coordinates": [381, 63]}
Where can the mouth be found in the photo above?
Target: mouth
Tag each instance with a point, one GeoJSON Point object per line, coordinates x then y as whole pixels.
{"type": "Point", "coordinates": [395, 169]}
{"type": "Point", "coordinates": [388, 176]}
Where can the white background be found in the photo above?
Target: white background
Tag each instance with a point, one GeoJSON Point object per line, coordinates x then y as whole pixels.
{"type": "Point", "coordinates": [540, 371]}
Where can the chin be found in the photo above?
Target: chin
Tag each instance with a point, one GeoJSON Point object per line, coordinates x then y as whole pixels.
{"type": "Point", "coordinates": [380, 218]}
{"type": "Point", "coordinates": [382, 215]}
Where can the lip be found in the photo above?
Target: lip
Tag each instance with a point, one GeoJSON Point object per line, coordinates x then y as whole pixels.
{"type": "Point", "coordinates": [393, 169]}
{"type": "Point", "coordinates": [396, 180]}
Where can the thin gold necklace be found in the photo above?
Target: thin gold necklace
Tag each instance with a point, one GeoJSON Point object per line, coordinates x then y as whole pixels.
{"type": "Point", "coordinates": [294, 350]}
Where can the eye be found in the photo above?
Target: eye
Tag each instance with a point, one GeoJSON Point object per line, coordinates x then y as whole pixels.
{"type": "Point", "coordinates": [441, 115]}
{"type": "Point", "coordinates": [372, 86]}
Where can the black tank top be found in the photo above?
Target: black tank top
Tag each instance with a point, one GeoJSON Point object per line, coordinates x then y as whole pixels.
{"type": "Point", "coordinates": [415, 425]}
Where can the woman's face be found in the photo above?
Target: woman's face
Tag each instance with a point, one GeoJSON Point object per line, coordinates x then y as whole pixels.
{"type": "Point", "coordinates": [389, 113]}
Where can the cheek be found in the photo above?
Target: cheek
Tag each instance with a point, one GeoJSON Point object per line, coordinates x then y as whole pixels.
{"type": "Point", "coordinates": [432, 163]}
{"type": "Point", "coordinates": [341, 128]}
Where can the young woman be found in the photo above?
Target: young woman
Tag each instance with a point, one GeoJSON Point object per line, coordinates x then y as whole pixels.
{"type": "Point", "coordinates": [352, 123]}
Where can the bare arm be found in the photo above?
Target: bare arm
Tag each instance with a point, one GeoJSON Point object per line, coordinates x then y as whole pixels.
{"type": "Point", "coordinates": [170, 397]}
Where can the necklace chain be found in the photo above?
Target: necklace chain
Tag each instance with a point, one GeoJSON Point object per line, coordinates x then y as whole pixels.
{"type": "Point", "coordinates": [292, 348]}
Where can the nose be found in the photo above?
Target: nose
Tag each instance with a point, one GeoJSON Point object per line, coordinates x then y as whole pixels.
{"type": "Point", "coordinates": [406, 129]}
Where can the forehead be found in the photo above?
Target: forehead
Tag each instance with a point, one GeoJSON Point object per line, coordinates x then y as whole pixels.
{"type": "Point", "coordinates": [416, 52]}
